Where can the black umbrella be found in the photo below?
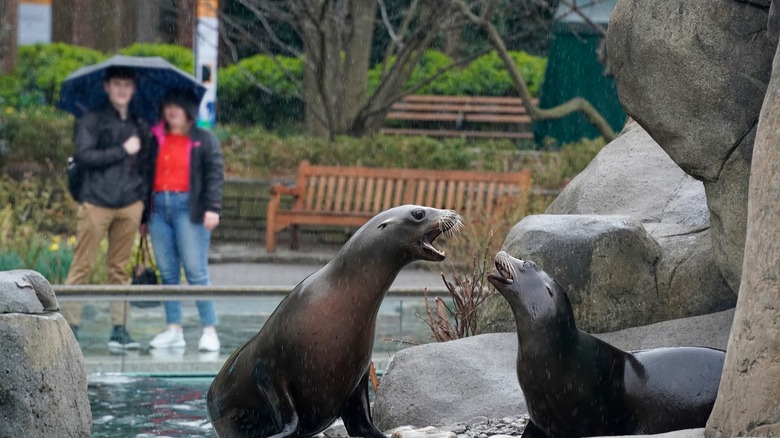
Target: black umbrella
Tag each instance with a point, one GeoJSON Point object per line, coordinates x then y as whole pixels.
{"type": "Point", "coordinates": [83, 90]}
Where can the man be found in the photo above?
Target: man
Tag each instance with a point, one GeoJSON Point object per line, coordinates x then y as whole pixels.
{"type": "Point", "coordinates": [112, 152]}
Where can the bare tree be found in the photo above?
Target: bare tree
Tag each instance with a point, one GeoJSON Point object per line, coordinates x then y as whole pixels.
{"type": "Point", "coordinates": [336, 37]}
{"type": "Point", "coordinates": [483, 18]}
{"type": "Point", "coordinates": [336, 44]}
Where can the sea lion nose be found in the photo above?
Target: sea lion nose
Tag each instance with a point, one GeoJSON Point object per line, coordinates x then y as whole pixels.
{"type": "Point", "coordinates": [527, 264]}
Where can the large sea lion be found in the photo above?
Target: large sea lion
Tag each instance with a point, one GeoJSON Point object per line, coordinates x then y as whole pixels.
{"type": "Point", "coordinates": [577, 385]}
{"type": "Point", "coordinates": [309, 363]}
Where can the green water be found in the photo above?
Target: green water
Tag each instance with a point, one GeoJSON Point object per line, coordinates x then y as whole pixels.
{"type": "Point", "coordinates": [143, 406]}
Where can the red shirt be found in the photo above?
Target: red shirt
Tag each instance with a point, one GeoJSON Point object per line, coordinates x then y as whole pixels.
{"type": "Point", "coordinates": [172, 173]}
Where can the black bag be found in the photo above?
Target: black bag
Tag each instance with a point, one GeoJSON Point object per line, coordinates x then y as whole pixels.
{"type": "Point", "coordinates": [75, 179]}
{"type": "Point", "coordinates": [144, 272]}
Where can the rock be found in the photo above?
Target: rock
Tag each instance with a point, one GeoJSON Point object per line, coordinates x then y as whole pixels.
{"type": "Point", "coordinates": [698, 115]}
{"type": "Point", "coordinates": [747, 403]}
{"type": "Point", "coordinates": [687, 433]}
{"type": "Point", "coordinates": [43, 391]}
{"type": "Point", "coordinates": [464, 380]}
{"type": "Point", "coordinates": [336, 430]}
{"type": "Point", "coordinates": [26, 291]}
{"type": "Point", "coordinates": [605, 263]}
{"type": "Point", "coordinates": [425, 432]}
{"type": "Point", "coordinates": [699, 331]}
{"type": "Point", "coordinates": [706, 117]}
{"type": "Point", "coordinates": [727, 200]}
{"type": "Point", "coordinates": [633, 176]}
{"type": "Point", "coordinates": [446, 383]}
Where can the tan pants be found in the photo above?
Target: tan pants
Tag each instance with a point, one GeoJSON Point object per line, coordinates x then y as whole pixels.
{"type": "Point", "coordinates": [92, 224]}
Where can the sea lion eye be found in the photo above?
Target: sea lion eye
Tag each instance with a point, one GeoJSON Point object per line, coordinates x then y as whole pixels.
{"type": "Point", "coordinates": [418, 214]}
{"type": "Point", "coordinates": [549, 289]}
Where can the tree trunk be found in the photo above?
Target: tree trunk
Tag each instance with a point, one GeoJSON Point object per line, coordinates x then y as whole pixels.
{"type": "Point", "coordinates": [9, 33]}
{"type": "Point", "coordinates": [148, 21]}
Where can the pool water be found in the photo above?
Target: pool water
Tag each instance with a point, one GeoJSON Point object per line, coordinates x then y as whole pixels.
{"type": "Point", "coordinates": [149, 406]}
{"type": "Point", "coordinates": [160, 405]}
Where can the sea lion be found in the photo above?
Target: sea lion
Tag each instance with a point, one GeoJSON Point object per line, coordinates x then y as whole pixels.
{"type": "Point", "coordinates": [577, 385]}
{"type": "Point", "coordinates": [308, 365]}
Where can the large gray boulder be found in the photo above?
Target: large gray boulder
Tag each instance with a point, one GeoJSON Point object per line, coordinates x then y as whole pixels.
{"type": "Point", "coordinates": [747, 403]}
{"type": "Point", "coordinates": [631, 177]}
{"type": "Point", "coordinates": [456, 381]}
{"type": "Point", "coordinates": [26, 291]}
{"type": "Point", "coordinates": [605, 263]}
{"type": "Point", "coordinates": [43, 391]}
{"type": "Point", "coordinates": [449, 382]}
{"type": "Point", "coordinates": [694, 74]}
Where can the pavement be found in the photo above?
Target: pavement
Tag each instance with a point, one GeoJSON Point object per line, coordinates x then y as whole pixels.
{"type": "Point", "coordinates": [399, 324]}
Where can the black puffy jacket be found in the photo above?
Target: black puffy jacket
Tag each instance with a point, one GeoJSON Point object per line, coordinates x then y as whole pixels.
{"type": "Point", "coordinates": [112, 178]}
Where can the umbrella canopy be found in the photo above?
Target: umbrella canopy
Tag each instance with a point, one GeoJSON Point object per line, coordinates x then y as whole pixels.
{"type": "Point", "coordinates": [83, 91]}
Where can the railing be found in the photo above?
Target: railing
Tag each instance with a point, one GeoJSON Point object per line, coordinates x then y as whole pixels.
{"type": "Point", "coordinates": [112, 292]}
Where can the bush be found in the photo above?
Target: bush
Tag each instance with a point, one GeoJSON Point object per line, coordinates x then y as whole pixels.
{"type": "Point", "coordinates": [242, 101]}
{"type": "Point", "coordinates": [40, 135]}
{"type": "Point", "coordinates": [256, 153]}
{"type": "Point", "coordinates": [276, 107]}
{"type": "Point", "coordinates": [35, 215]}
{"type": "Point", "coordinates": [179, 56]}
{"type": "Point", "coordinates": [42, 67]}
{"type": "Point", "coordinates": [485, 76]}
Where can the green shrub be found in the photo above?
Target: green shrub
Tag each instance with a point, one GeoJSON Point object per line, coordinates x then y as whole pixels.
{"type": "Point", "coordinates": [42, 67]}
{"type": "Point", "coordinates": [39, 134]}
{"type": "Point", "coordinates": [242, 101]}
{"type": "Point", "coordinates": [37, 220]}
{"type": "Point", "coordinates": [179, 56]}
{"type": "Point", "coordinates": [256, 153]}
{"type": "Point", "coordinates": [485, 76]}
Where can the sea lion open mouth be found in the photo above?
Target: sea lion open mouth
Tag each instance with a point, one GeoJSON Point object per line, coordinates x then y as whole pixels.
{"type": "Point", "coordinates": [504, 269]}
{"type": "Point", "coordinates": [448, 225]}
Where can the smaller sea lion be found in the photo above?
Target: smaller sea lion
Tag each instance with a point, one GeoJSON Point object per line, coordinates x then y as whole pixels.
{"type": "Point", "coordinates": [578, 385]}
{"type": "Point", "coordinates": [309, 363]}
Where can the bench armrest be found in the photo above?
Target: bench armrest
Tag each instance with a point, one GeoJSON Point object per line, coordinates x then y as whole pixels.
{"type": "Point", "coordinates": [281, 189]}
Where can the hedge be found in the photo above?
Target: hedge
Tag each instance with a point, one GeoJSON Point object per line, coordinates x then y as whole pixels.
{"type": "Point", "coordinates": [43, 67]}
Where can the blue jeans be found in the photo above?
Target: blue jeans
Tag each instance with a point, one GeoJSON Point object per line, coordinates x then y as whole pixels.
{"type": "Point", "coordinates": [177, 243]}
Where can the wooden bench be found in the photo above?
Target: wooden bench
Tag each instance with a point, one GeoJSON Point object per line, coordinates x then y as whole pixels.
{"type": "Point", "coordinates": [350, 196]}
{"type": "Point", "coordinates": [461, 110]}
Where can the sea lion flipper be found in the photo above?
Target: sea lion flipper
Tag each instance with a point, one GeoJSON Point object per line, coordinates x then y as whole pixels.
{"type": "Point", "coordinates": [356, 413]}
{"type": "Point", "coordinates": [290, 421]}
{"type": "Point", "coordinates": [533, 431]}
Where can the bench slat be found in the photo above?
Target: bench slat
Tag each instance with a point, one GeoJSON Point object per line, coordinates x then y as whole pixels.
{"type": "Point", "coordinates": [471, 134]}
{"type": "Point", "coordinates": [458, 108]}
{"type": "Point", "coordinates": [454, 117]}
{"type": "Point", "coordinates": [463, 99]}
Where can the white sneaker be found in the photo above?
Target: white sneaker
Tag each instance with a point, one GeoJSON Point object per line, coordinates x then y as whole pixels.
{"type": "Point", "coordinates": [209, 341]}
{"type": "Point", "coordinates": [168, 339]}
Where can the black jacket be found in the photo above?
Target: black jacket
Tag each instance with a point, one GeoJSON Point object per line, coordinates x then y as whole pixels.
{"type": "Point", "coordinates": [112, 178]}
{"type": "Point", "coordinates": [207, 172]}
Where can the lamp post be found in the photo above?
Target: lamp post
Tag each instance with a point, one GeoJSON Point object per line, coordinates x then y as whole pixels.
{"type": "Point", "coordinates": [206, 43]}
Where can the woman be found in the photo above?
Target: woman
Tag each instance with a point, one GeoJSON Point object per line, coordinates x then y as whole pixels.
{"type": "Point", "coordinates": [186, 201]}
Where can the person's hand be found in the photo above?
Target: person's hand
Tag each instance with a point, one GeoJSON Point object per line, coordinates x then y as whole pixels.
{"type": "Point", "coordinates": [132, 145]}
{"type": "Point", "coordinates": [210, 220]}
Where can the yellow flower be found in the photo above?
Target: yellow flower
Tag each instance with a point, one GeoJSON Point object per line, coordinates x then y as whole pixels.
{"type": "Point", "coordinates": [56, 239]}
{"type": "Point", "coordinates": [54, 247]}
{"type": "Point", "coordinates": [72, 241]}
{"type": "Point", "coordinates": [9, 110]}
